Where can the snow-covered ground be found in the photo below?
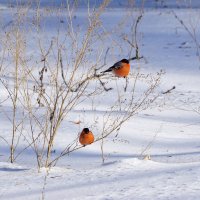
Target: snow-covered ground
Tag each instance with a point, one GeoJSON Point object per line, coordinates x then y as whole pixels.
{"type": "Point", "coordinates": [156, 154]}
{"type": "Point", "coordinates": [126, 178]}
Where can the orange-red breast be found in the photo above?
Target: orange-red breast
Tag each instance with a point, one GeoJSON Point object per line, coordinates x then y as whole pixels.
{"type": "Point", "coordinates": [86, 137]}
{"type": "Point", "coordinates": [120, 69]}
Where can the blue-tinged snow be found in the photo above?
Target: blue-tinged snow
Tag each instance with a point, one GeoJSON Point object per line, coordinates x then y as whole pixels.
{"type": "Point", "coordinates": [156, 155]}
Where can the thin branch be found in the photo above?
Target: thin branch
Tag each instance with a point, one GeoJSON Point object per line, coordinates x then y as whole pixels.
{"type": "Point", "coordinates": [136, 44]}
{"type": "Point", "coordinates": [169, 90]}
{"type": "Point", "coordinates": [81, 83]}
{"type": "Point", "coordinates": [105, 58]}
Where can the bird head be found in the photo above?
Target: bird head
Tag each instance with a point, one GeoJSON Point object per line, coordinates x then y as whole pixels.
{"type": "Point", "coordinates": [86, 130]}
{"type": "Point", "coordinates": [125, 61]}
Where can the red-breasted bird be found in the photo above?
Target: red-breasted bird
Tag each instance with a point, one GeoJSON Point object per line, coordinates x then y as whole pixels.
{"type": "Point", "coordinates": [86, 137]}
{"type": "Point", "coordinates": [121, 68]}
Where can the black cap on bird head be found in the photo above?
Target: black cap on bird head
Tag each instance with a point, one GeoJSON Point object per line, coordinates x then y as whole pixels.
{"type": "Point", "coordinates": [125, 61]}
{"type": "Point", "coordinates": [86, 130]}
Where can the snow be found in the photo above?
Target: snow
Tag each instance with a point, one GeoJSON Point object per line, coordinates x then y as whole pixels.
{"type": "Point", "coordinates": [128, 178]}
{"type": "Point", "coordinates": [155, 155]}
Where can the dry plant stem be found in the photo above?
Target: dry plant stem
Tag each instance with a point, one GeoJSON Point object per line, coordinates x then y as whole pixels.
{"type": "Point", "coordinates": [14, 47]}
{"type": "Point", "coordinates": [125, 88]}
{"type": "Point", "coordinates": [169, 90]}
{"type": "Point", "coordinates": [45, 183]}
{"type": "Point", "coordinates": [192, 33]}
{"type": "Point", "coordinates": [135, 31]}
{"type": "Point", "coordinates": [149, 145]}
{"type": "Point", "coordinates": [102, 150]}
{"type": "Point", "coordinates": [134, 41]}
{"type": "Point", "coordinates": [4, 43]}
{"type": "Point", "coordinates": [20, 131]}
{"type": "Point", "coordinates": [15, 97]}
{"type": "Point", "coordinates": [93, 24]}
{"type": "Point", "coordinates": [88, 78]}
{"type": "Point", "coordinates": [135, 109]}
{"type": "Point", "coordinates": [4, 99]}
{"type": "Point", "coordinates": [59, 91]}
{"type": "Point", "coordinates": [57, 113]}
{"type": "Point", "coordinates": [131, 110]}
{"type": "Point", "coordinates": [35, 147]}
{"type": "Point", "coordinates": [5, 141]}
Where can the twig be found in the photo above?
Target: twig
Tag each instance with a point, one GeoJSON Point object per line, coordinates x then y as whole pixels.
{"type": "Point", "coordinates": [136, 44]}
{"type": "Point", "coordinates": [45, 183]}
{"type": "Point", "coordinates": [93, 76]}
{"type": "Point", "coordinates": [126, 84]}
{"type": "Point", "coordinates": [192, 34]}
{"type": "Point", "coordinates": [168, 91]}
{"type": "Point", "coordinates": [105, 58]}
{"type": "Point", "coordinates": [149, 145]}
{"type": "Point", "coordinates": [5, 140]}
{"type": "Point", "coordinates": [4, 100]}
{"type": "Point", "coordinates": [135, 57]}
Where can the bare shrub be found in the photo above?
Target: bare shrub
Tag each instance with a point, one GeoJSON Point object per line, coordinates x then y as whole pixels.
{"type": "Point", "coordinates": [60, 76]}
{"type": "Point", "coordinates": [12, 77]}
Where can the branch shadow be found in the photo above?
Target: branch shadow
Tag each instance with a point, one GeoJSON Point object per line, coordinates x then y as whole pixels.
{"type": "Point", "coordinates": [8, 169]}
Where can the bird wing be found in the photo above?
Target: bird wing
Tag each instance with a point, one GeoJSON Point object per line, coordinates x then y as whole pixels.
{"type": "Point", "coordinates": [117, 65]}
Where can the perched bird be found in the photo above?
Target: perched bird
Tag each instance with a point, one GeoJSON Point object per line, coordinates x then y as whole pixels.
{"type": "Point", "coordinates": [86, 137]}
{"type": "Point", "coordinates": [120, 69]}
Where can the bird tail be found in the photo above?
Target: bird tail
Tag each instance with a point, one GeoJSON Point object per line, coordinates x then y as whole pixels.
{"type": "Point", "coordinates": [108, 70]}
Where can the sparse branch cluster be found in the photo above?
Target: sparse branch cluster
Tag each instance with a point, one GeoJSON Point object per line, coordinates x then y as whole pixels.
{"type": "Point", "coordinates": [47, 88]}
{"type": "Point", "coordinates": [192, 32]}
